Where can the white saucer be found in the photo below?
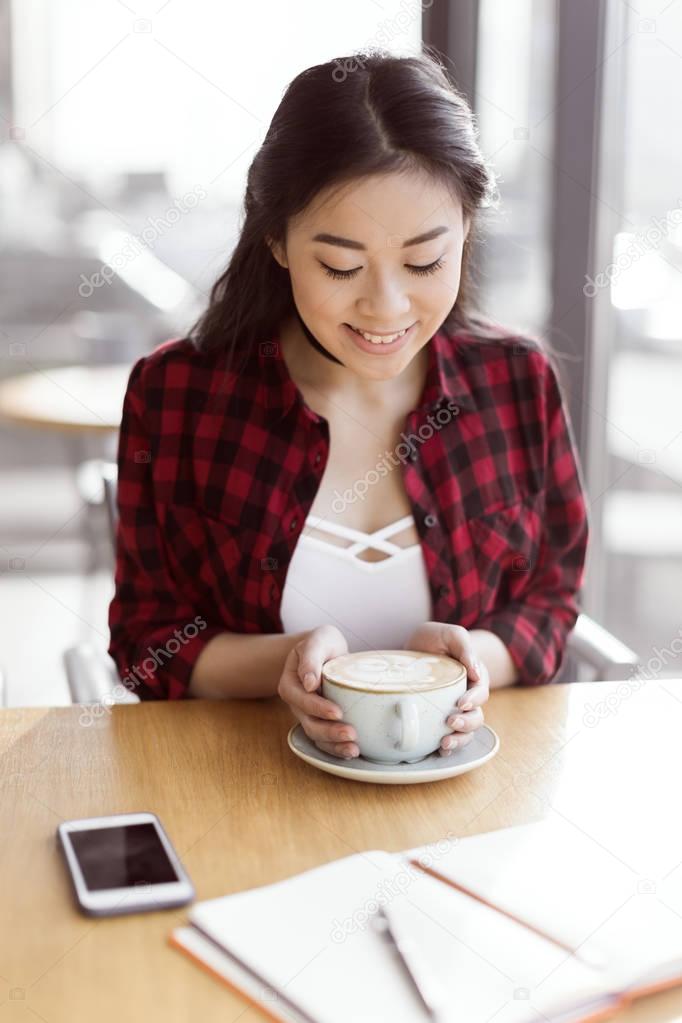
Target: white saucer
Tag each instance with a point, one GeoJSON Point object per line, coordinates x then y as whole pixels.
{"type": "Point", "coordinates": [482, 748]}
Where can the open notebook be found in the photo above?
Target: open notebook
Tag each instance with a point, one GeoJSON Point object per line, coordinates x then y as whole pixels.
{"type": "Point", "coordinates": [532, 923]}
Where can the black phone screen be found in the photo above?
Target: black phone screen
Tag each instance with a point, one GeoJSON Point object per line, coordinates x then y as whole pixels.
{"type": "Point", "coordinates": [121, 857]}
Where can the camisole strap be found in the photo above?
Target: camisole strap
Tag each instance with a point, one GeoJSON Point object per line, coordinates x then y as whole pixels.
{"type": "Point", "coordinates": [363, 540]}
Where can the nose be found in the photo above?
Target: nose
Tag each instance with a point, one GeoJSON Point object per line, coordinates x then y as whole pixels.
{"type": "Point", "coordinates": [384, 301]}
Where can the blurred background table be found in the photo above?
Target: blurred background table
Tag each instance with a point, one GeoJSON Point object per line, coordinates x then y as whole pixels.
{"type": "Point", "coordinates": [81, 404]}
{"type": "Point", "coordinates": [78, 399]}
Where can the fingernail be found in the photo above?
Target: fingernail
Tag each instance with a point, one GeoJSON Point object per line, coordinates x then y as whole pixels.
{"type": "Point", "coordinates": [449, 742]}
{"type": "Point", "coordinates": [456, 722]}
{"type": "Point", "coordinates": [309, 680]}
{"type": "Point", "coordinates": [467, 705]}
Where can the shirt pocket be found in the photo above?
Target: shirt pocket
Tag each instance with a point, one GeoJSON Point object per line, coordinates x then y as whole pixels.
{"type": "Point", "coordinates": [506, 546]}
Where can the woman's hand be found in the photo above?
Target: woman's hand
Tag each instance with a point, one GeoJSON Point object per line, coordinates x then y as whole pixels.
{"type": "Point", "coordinates": [320, 718]}
{"type": "Point", "coordinates": [454, 641]}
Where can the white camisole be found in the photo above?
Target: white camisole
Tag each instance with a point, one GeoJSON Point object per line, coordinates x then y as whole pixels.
{"type": "Point", "coordinates": [375, 604]}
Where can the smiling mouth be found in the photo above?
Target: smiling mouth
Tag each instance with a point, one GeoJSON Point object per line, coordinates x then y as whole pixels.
{"type": "Point", "coordinates": [379, 339]}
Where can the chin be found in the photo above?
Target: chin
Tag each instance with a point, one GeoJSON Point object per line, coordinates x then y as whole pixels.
{"type": "Point", "coordinates": [379, 370]}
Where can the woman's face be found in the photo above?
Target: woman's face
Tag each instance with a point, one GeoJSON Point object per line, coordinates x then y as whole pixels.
{"type": "Point", "coordinates": [382, 255]}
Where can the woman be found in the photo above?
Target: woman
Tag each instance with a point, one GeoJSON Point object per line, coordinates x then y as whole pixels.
{"type": "Point", "coordinates": [339, 388]}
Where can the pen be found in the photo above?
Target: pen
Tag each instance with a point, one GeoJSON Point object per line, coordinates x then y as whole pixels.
{"type": "Point", "coordinates": [429, 988]}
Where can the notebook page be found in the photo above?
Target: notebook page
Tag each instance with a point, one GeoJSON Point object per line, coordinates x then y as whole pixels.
{"type": "Point", "coordinates": [493, 967]}
{"type": "Point", "coordinates": [556, 878]}
{"type": "Point", "coordinates": [309, 936]}
{"type": "Point", "coordinates": [547, 873]}
{"type": "Point", "coordinates": [200, 947]}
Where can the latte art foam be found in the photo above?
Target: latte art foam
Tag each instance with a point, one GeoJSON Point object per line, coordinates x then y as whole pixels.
{"type": "Point", "coordinates": [390, 670]}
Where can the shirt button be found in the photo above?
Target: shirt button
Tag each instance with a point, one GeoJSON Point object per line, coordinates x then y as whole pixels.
{"type": "Point", "coordinates": [413, 455]}
{"type": "Point", "coordinates": [430, 520]}
{"type": "Point", "coordinates": [318, 458]}
{"type": "Point", "coordinates": [294, 523]}
{"type": "Point", "coordinates": [443, 591]}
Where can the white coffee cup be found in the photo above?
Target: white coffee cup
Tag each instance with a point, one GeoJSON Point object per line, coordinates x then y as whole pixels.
{"type": "Point", "coordinates": [397, 700]}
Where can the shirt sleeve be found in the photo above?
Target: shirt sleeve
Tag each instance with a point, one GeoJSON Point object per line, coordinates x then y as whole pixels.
{"type": "Point", "coordinates": [155, 635]}
{"type": "Point", "coordinates": [535, 626]}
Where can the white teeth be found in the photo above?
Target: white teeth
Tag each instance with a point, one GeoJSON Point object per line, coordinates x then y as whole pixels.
{"type": "Point", "coordinates": [376, 339]}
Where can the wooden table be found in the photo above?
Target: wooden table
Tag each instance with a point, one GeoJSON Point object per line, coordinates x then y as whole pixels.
{"type": "Point", "coordinates": [242, 811]}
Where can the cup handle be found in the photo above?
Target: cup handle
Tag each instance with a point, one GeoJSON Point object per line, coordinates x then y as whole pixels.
{"type": "Point", "coordinates": [409, 725]}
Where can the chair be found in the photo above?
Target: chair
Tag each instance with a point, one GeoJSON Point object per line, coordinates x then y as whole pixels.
{"type": "Point", "coordinates": [109, 471]}
{"type": "Point", "coordinates": [595, 647]}
{"type": "Point", "coordinates": [94, 478]}
{"type": "Point", "coordinates": [93, 677]}
{"type": "Point", "coordinates": [91, 673]}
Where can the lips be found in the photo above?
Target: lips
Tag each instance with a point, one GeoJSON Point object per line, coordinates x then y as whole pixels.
{"type": "Point", "coordinates": [374, 335]}
{"type": "Point", "coordinates": [379, 333]}
{"type": "Point", "coordinates": [377, 347]}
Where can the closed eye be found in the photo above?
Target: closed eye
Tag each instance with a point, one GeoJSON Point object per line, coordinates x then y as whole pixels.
{"type": "Point", "coordinates": [419, 271]}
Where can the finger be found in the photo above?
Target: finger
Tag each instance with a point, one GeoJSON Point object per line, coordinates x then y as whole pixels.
{"type": "Point", "coordinates": [459, 645]}
{"type": "Point", "coordinates": [473, 697]}
{"type": "Point", "coordinates": [313, 652]}
{"type": "Point", "coordinates": [316, 706]}
{"type": "Point", "coordinates": [459, 743]}
{"type": "Point", "coordinates": [346, 750]}
{"type": "Point", "coordinates": [327, 731]}
{"type": "Point", "coordinates": [468, 722]}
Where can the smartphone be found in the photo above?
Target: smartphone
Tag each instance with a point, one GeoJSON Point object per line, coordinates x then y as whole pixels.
{"type": "Point", "coordinates": [123, 863]}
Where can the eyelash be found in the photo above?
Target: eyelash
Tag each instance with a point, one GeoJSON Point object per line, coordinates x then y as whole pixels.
{"type": "Point", "coordinates": [418, 271]}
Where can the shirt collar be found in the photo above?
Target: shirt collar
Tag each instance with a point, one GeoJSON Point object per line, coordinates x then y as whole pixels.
{"type": "Point", "coordinates": [446, 376]}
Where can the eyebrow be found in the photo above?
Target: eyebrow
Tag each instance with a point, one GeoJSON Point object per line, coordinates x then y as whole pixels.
{"type": "Point", "coordinates": [347, 243]}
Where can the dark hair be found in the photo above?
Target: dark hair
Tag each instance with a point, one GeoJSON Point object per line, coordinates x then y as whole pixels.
{"type": "Point", "coordinates": [339, 121]}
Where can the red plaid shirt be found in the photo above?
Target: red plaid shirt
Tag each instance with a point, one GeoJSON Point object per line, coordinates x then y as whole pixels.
{"type": "Point", "coordinates": [218, 469]}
